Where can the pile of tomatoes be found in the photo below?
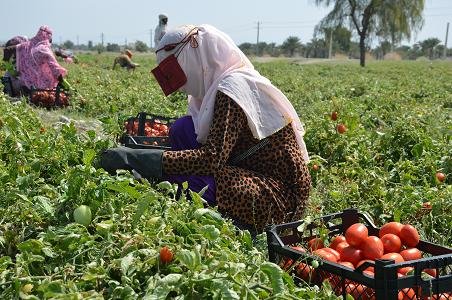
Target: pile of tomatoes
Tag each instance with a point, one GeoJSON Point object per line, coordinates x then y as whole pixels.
{"type": "Point", "coordinates": [395, 241]}
{"type": "Point", "coordinates": [151, 128]}
{"type": "Point", "coordinates": [47, 98]}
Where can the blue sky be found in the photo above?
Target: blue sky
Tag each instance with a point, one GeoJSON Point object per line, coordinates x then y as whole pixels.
{"type": "Point", "coordinates": [133, 20]}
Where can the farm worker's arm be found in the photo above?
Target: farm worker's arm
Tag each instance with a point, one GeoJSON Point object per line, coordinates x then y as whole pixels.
{"type": "Point", "coordinates": [228, 122]}
{"type": "Point", "coordinates": [44, 55]}
{"type": "Point", "coordinates": [147, 162]}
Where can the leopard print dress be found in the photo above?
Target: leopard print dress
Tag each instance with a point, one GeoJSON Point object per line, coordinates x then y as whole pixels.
{"type": "Point", "coordinates": [269, 187]}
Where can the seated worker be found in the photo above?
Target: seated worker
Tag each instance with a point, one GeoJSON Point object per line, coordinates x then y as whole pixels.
{"type": "Point", "coordinates": [124, 60]}
{"type": "Point", "coordinates": [242, 138]}
{"type": "Point", "coordinates": [11, 83]}
{"type": "Point", "coordinates": [36, 64]}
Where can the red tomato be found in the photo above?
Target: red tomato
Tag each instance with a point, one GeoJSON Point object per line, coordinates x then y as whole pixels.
{"type": "Point", "coordinates": [326, 255]}
{"type": "Point", "coordinates": [164, 129]}
{"type": "Point", "coordinates": [356, 234]}
{"type": "Point", "coordinates": [351, 254]}
{"type": "Point", "coordinates": [166, 255]}
{"type": "Point", "coordinates": [372, 247]}
{"type": "Point", "coordinates": [406, 294]}
{"type": "Point", "coordinates": [393, 256]}
{"type": "Point", "coordinates": [370, 269]}
{"type": "Point", "coordinates": [444, 296]}
{"type": "Point", "coordinates": [405, 270]}
{"type": "Point", "coordinates": [286, 263]}
{"type": "Point", "coordinates": [409, 236]}
{"type": "Point", "coordinates": [359, 291]}
{"type": "Point", "coordinates": [431, 272]}
{"type": "Point", "coordinates": [334, 252]}
{"type": "Point", "coordinates": [298, 248]}
{"type": "Point", "coordinates": [336, 240]}
{"type": "Point", "coordinates": [306, 272]}
{"type": "Point", "coordinates": [411, 254]}
{"type": "Point", "coordinates": [391, 243]}
{"type": "Point", "coordinates": [391, 227]}
{"type": "Point", "coordinates": [440, 176]}
{"type": "Point", "coordinates": [334, 115]}
{"type": "Point", "coordinates": [340, 247]}
{"type": "Point", "coordinates": [341, 128]}
{"type": "Point", "coordinates": [347, 264]}
{"type": "Point", "coordinates": [315, 243]}
{"type": "Point", "coordinates": [369, 273]}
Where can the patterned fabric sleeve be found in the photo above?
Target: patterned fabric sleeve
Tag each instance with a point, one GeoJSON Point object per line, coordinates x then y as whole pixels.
{"type": "Point", "coordinates": [45, 55]}
{"type": "Point", "coordinates": [228, 121]}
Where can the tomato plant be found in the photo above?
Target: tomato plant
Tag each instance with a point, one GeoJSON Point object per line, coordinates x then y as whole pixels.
{"type": "Point", "coordinates": [385, 165]}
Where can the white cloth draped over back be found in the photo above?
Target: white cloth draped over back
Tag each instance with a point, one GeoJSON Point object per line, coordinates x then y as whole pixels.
{"type": "Point", "coordinates": [217, 64]}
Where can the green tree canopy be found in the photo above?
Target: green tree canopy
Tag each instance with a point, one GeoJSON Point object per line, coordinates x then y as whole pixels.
{"type": "Point", "coordinates": [141, 46]}
{"type": "Point", "coordinates": [290, 45]}
{"type": "Point", "coordinates": [375, 17]}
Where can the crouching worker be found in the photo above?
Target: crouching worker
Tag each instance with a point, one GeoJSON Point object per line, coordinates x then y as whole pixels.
{"type": "Point", "coordinates": [10, 80]}
{"type": "Point", "coordinates": [36, 63]}
{"type": "Point", "coordinates": [124, 60]}
{"type": "Point", "coordinates": [242, 137]}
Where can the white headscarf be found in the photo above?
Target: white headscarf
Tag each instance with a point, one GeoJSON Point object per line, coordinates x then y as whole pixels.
{"type": "Point", "coordinates": [217, 64]}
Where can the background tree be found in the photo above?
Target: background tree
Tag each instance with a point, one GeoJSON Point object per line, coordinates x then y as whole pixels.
{"type": "Point", "coordinates": [341, 37]}
{"type": "Point", "coordinates": [68, 44]}
{"type": "Point", "coordinates": [369, 17]}
{"type": "Point", "coordinates": [141, 46]}
{"type": "Point", "coordinates": [113, 47]}
{"type": "Point", "coordinates": [317, 48]}
{"type": "Point", "coordinates": [247, 48]}
{"type": "Point", "coordinates": [428, 45]}
{"type": "Point", "coordinates": [382, 49]}
{"type": "Point", "coordinates": [290, 45]}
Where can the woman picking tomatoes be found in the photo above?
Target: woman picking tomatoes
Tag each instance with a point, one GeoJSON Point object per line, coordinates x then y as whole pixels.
{"type": "Point", "coordinates": [242, 136]}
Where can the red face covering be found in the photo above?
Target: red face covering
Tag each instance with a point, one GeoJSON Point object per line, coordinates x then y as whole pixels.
{"type": "Point", "coordinates": [169, 75]}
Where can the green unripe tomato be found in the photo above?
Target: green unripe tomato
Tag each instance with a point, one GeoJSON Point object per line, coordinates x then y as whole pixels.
{"type": "Point", "coordinates": [82, 215]}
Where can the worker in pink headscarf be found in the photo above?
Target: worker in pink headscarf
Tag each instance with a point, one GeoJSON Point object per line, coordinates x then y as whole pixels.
{"type": "Point", "coordinates": [36, 63]}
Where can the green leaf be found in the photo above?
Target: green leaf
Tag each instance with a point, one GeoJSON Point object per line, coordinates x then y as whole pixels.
{"type": "Point", "coordinates": [210, 232]}
{"type": "Point", "coordinates": [197, 200]}
{"type": "Point", "coordinates": [191, 259]}
{"type": "Point", "coordinates": [126, 262]}
{"type": "Point", "coordinates": [31, 246]}
{"type": "Point", "coordinates": [141, 209]}
{"type": "Point", "coordinates": [88, 156]}
{"type": "Point", "coordinates": [5, 261]}
{"type": "Point", "coordinates": [306, 221]}
{"type": "Point", "coordinates": [208, 213]}
{"type": "Point", "coordinates": [125, 188]}
{"type": "Point", "coordinates": [275, 274]}
{"type": "Point", "coordinates": [43, 204]}
{"type": "Point", "coordinates": [164, 286]}
{"type": "Point", "coordinates": [417, 150]}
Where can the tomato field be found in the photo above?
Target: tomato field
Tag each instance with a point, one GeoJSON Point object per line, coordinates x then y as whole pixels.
{"type": "Point", "coordinates": [377, 137]}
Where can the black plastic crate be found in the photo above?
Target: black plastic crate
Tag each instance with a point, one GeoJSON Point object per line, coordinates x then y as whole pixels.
{"type": "Point", "coordinates": [49, 98]}
{"type": "Point", "coordinates": [138, 131]}
{"type": "Point", "coordinates": [384, 285]}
